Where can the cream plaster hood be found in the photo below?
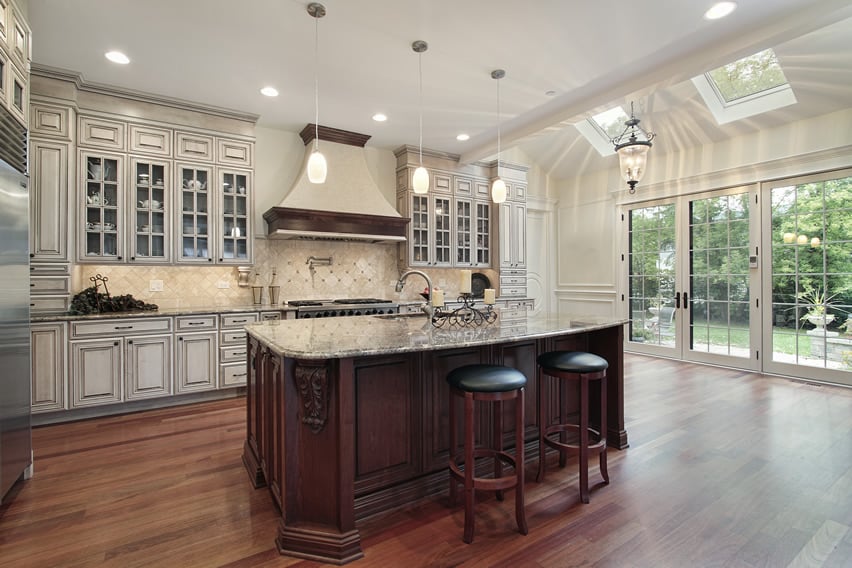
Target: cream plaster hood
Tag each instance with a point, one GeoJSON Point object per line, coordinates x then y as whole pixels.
{"type": "Point", "coordinates": [348, 206]}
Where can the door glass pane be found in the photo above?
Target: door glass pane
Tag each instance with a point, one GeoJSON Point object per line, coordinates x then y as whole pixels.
{"type": "Point", "coordinates": [651, 235]}
{"type": "Point", "coordinates": [812, 274]}
{"type": "Point", "coordinates": [718, 275]}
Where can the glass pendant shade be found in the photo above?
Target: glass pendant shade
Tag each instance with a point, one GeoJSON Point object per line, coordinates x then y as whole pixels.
{"type": "Point", "coordinates": [421, 180]}
{"type": "Point", "coordinates": [317, 167]}
{"type": "Point", "coordinates": [498, 191]}
{"type": "Point", "coordinates": [632, 158]}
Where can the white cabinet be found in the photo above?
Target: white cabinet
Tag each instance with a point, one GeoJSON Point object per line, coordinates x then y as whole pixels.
{"type": "Point", "coordinates": [234, 219]}
{"type": "Point", "coordinates": [148, 368]}
{"type": "Point", "coordinates": [513, 235]}
{"type": "Point", "coordinates": [472, 235]}
{"type": "Point", "coordinates": [232, 350]}
{"type": "Point", "coordinates": [150, 211]}
{"type": "Point", "coordinates": [95, 372]}
{"type": "Point", "coordinates": [48, 366]}
{"type": "Point", "coordinates": [196, 366]}
{"type": "Point", "coordinates": [49, 176]}
{"type": "Point", "coordinates": [101, 226]}
{"type": "Point", "coordinates": [195, 214]}
{"type": "Point", "coordinates": [430, 241]}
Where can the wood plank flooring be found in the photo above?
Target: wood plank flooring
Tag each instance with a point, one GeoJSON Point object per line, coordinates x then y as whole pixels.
{"type": "Point", "coordinates": [725, 468]}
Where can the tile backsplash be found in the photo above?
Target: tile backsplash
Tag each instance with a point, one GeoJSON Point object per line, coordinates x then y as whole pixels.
{"type": "Point", "coordinates": [357, 270]}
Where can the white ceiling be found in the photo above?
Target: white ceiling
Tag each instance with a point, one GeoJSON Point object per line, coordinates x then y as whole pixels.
{"type": "Point", "coordinates": [593, 54]}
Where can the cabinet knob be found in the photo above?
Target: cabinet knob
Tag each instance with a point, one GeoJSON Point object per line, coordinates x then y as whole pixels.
{"type": "Point", "coordinates": [115, 343]}
{"type": "Point", "coordinates": [129, 342]}
{"type": "Point", "coordinates": [32, 255]}
{"type": "Point", "coordinates": [209, 260]}
{"type": "Point", "coordinates": [132, 258]}
{"type": "Point", "coordinates": [180, 338]}
{"type": "Point", "coordinates": [119, 258]}
{"type": "Point", "coordinates": [220, 260]}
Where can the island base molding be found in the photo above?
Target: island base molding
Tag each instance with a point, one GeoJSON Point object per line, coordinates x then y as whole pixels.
{"type": "Point", "coordinates": [340, 439]}
{"type": "Point", "coordinates": [319, 545]}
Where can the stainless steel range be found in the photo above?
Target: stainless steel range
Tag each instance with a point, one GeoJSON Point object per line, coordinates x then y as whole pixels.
{"type": "Point", "coordinates": [343, 307]}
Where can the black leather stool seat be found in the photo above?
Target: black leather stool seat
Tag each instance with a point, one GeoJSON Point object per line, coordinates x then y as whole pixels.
{"type": "Point", "coordinates": [573, 361]}
{"type": "Point", "coordinates": [487, 378]}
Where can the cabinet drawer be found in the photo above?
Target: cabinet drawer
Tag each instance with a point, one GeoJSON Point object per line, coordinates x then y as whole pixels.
{"type": "Point", "coordinates": [49, 304]}
{"type": "Point", "coordinates": [513, 280]}
{"type": "Point", "coordinates": [270, 316]}
{"type": "Point", "coordinates": [189, 146]}
{"type": "Point", "coordinates": [49, 284]}
{"type": "Point", "coordinates": [150, 140]}
{"type": "Point", "coordinates": [49, 120]}
{"type": "Point", "coordinates": [234, 337]}
{"type": "Point", "coordinates": [101, 133]}
{"type": "Point", "coordinates": [237, 320]}
{"type": "Point", "coordinates": [233, 375]}
{"type": "Point", "coordinates": [234, 153]}
{"type": "Point", "coordinates": [48, 269]}
{"type": "Point", "coordinates": [233, 354]}
{"type": "Point", "coordinates": [513, 291]}
{"type": "Point", "coordinates": [115, 327]}
{"type": "Point", "coordinates": [195, 323]}
{"type": "Point", "coordinates": [513, 272]}
{"type": "Point", "coordinates": [519, 304]}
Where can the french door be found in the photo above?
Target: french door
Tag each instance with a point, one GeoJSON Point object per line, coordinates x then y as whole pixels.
{"type": "Point", "coordinates": [692, 273]}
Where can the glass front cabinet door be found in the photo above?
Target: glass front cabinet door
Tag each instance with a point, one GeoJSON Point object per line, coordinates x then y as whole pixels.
{"type": "Point", "coordinates": [102, 224]}
{"type": "Point", "coordinates": [150, 210]}
{"type": "Point", "coordinates": [194, 242]}
{"type": "Point", "coordinates": [419, 254]}
{"type": "Point", "coordinates": [234, 217]}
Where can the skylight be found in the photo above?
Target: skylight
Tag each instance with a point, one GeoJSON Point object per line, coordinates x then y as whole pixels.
{"type": "Point", "coordinates": [746, 87]}
{"type": "Point", "coordinates": [601, 128]}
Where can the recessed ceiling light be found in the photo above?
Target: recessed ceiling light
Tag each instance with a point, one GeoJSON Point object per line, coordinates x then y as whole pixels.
{"type": "Point", "coordinates": [719, 10]}
{"type": "Point", "coordinates": [550, 93]}
{"type": "Point", "coordinates": [269, 91]}
{"type": "Point", "coordinates": [463, 137]}
{"type": "Point", "coordinates": [117, 57]}
{"type": "Point", "coordinates": [379, 117]}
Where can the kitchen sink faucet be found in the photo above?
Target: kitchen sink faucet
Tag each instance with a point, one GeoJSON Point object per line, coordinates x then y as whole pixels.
{"type": "Point", "coordinates": [427, 309]}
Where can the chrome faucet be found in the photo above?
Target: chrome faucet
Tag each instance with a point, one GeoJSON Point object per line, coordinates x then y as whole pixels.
{"type": "Point", "coordinates": [427, 309]}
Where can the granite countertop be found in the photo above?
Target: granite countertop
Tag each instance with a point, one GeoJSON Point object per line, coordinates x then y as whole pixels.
{"type": "Point", "coordinates": [378, 335]}
{"type": "Point", "coordinates": [162, 312]}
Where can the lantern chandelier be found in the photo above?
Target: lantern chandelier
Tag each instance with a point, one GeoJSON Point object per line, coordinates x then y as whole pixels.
{"type": "Point", "coordinates": [632, 147]}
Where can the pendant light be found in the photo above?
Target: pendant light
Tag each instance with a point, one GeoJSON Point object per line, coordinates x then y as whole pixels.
{"type": "Point", "coordinates": [317, 166]}
{"type": "Point", "coordinates": [498, 188]}
{"type": "Point", "coordinates": [632, 147]}
{"type": "Point", "coordinates": [421, 176]}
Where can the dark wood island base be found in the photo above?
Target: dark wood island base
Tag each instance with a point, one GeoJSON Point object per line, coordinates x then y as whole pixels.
{"type": "Point", "coordinates": [340, 438]}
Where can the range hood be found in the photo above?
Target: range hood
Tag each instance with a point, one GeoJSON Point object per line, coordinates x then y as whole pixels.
{"type": "Point", "coordinates": [348, 207]}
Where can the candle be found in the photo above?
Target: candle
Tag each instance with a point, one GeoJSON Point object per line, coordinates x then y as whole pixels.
{"type": "Point", "coordinates": [464, 282]}
{"type": "Point", "coordinates": [489, 296]}
{"type": "Point", "coordinates": [437, 298]}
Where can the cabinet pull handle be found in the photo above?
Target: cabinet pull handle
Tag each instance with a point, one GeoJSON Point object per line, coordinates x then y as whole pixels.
{"type": "Point", "coordinates": [239, 354]}
{"type": "Point", "coordinates": [195, 323]}
{"type": "Point", "coordinates": [239, 374]}
{"type": "Point", "coordinates": [32, 285]}
{"type": "Point", "coordinates": [123, 327]}
{"type": "Point", "coordinates": [234, 321]}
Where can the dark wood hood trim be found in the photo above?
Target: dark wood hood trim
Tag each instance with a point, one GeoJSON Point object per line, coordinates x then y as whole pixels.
{"type": "Point", "coordinates": [333, 135]}
{"type": "Point", "coordinates": [312, 220]}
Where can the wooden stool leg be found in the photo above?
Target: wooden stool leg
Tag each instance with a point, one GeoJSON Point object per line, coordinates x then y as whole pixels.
{"type": "Point", "coordinates": [563, 418]}
{"type": "Point", "coordinates": [604, 472]}
{"type": "Point", "coordinates": [520, 515]}
{"type": "Point", "coordinates": [469, 466]}
{"type": "Point", "coordinates": [453, 448]}
{"type": "Point", "coordinates": [542, 426]}
{"type": "Point", "coordinates": [584, 438]}
{"type": "Point", "coordinates": [497, 433]}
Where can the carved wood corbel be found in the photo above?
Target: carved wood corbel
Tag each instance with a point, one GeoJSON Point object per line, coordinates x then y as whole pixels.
{"type": "Point", "coordinates": [312, 381]}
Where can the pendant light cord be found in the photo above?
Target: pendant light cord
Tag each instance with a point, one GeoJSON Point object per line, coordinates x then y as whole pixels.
{"type": "Point", "coordinates": [420, 64]}
{"type": "Point", "coordinates": [498, 127]}
{"type": "Point", "coordinates": [316, 83]}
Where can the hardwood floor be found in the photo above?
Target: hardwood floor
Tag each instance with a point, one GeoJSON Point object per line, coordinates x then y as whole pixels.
{"type": "Point", "coordinates": [725, 468]}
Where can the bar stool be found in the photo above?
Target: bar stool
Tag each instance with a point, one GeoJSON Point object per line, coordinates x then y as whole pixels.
{"type": "Point", "coordinates": [582, 367]}
{"type": "Point", "coordinates": [487, 383]}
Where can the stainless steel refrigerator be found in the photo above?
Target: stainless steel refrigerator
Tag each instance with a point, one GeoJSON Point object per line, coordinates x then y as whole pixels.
{"type": "Point", "coordinates": [15, 436]}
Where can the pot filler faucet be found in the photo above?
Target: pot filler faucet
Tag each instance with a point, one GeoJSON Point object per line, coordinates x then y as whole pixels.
{"type": "Point", "coordinates": [427, 309]}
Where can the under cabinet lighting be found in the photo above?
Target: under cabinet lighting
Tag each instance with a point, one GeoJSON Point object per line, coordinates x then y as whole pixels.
{"type": "Point", "coordinates": [117, 57]}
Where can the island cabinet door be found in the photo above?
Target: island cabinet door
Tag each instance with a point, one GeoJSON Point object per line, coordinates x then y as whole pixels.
{"type": "Point", "coordinates": [255, 401]}
{"type": "Point", "coordinates": [436, 405]}
{"type": "Point", "coordinates": [520, 356]}
{"type": "Point", "coordinates": [387, 421]}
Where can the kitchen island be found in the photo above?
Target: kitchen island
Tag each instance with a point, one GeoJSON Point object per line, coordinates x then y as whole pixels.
{"type": "Point", "coordinates": [347, 417]}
